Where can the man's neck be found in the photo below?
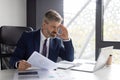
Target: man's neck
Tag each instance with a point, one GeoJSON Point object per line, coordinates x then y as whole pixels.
{"type": "Point", "coordinates": [44, 33]}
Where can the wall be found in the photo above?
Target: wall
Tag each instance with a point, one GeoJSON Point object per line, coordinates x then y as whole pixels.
{"type": "Point", "coordinates": [41, 9]}
{"type": "Point", "coordinates": [13, 12]}
{"type": "Point", "coordinates": [37, 8]}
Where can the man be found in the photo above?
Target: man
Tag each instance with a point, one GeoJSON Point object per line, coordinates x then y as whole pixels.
{"type": "Point", "coordinates": [58, 42]}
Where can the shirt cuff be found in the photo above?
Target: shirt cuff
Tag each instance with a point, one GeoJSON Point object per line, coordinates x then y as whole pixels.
{"type": "Point", "coordinates": [66, 40]}
{"type": "Point", "coordinates": [16, 64]}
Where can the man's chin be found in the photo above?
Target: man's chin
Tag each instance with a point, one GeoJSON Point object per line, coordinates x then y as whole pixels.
{"type": "Point", "coordinates": [53, 36]}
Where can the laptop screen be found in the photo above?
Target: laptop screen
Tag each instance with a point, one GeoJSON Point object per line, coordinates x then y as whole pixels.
{"type": "Point", "coordinates": [103, 57]}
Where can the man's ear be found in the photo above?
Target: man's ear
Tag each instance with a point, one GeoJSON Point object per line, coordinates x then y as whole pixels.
{"type": "Point", "coordinates": [43, 24]}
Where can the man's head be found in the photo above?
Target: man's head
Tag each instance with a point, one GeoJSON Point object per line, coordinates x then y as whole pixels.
{"type": "Point", "coordinates": [51, 22]}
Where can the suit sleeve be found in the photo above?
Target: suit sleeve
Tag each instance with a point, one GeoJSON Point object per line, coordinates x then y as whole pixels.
{"type": "Point", "coordinates": [19, 52]}
{"type": "Point", "coordinates": [67, 51]}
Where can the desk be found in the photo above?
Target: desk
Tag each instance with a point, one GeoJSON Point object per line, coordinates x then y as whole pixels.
{"type": "Point", "coordinates": [108, 73]}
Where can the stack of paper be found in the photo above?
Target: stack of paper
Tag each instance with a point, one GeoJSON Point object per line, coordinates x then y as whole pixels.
{"type": "Point", "coordinates": [39, 61]}
{"type": "Point", "coordinates": [67, 64]}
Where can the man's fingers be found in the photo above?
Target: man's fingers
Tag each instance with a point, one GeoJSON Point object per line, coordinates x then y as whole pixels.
{"type": "Point", "coordinates": [23, 65]}
{"type": "Point", "coordinates": [26, 63]}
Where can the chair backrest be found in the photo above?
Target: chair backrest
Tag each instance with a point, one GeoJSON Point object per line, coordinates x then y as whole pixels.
{"type": "Point", "coordinates": [11, 34]}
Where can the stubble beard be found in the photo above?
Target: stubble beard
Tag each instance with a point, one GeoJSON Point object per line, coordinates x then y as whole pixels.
{"type": "Point", "coordinates": [51, 34]}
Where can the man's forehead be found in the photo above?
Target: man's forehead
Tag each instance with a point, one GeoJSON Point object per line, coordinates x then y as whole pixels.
{"type": "Point", "coordinates": [54, 23]}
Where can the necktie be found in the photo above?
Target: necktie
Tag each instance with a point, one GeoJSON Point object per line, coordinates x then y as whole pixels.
{"type": "Point", "coordinates": [44, 51]}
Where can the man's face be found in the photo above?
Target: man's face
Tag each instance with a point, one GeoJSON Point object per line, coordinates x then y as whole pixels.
{"type": "Point", "coordinates": [51, 28]}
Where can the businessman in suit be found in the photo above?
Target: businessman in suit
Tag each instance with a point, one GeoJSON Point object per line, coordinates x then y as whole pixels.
{"type": "Point", "coordinates": [57, 41]}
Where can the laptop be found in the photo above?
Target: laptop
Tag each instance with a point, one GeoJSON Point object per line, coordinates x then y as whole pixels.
{"type": "Point", "coordinates": [89, 66]}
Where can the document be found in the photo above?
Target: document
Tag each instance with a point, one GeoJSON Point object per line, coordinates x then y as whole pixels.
{"type": "Point", "coordinates": [39, 61]}
{"type": "Point", "coordinates": [67, 65]}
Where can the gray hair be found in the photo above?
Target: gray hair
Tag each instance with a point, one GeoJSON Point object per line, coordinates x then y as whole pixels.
{"type": "Point", "coordinates": [52, 15]}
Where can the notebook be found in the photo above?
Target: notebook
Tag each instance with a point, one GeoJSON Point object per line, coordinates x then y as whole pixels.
{"type": "Point", "coordinates": [94, 66]}
{"type": "Point", "coordinates": [65, 64]}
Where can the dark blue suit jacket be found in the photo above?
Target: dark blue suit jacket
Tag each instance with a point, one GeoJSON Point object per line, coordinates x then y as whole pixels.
{"type": "Point", "coordinates": [30, 42]}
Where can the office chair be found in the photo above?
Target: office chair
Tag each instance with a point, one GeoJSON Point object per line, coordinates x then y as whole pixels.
{"type": "Point", "coordinates": [9, 35]}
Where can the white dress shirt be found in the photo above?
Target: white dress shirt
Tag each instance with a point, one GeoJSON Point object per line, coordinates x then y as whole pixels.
{"type": "Point", "coordinates": [42, 39]}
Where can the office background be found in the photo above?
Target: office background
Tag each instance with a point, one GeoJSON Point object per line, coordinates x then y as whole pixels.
{"type": "Point", "coordinates": [26, 12]}
{"type": "Point", "coordinates": [30, 12]}
{"type": "Point", "coordinates": [13, 12]}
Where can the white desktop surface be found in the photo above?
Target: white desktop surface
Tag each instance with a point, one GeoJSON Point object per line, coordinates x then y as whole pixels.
{"type": "Point", "coordinates": [109, 73]}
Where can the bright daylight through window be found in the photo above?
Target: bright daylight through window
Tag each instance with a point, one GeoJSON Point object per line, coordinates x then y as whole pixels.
{"type": "Point", "coordinates": [79, 17]}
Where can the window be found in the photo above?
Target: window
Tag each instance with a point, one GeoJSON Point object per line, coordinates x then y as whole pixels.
{"type": "Point", "coordinates": [79, 17]}
{"type": "Point", "coordinates": [111, 20]}
{"type": "Point", "coordinates": [111, 27]}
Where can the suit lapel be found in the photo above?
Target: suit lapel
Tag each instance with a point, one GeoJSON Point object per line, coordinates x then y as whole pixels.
{"type": "Point", "coordinates": [50, 47]}
{"type": "Point", "coordinates": [52, 54]}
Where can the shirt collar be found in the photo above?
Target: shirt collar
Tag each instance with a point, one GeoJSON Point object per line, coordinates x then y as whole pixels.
{"type": "Point", "coordinates": [42, 36]}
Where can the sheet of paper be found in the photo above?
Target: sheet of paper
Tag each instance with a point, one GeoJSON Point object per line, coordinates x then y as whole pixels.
{"type": "Point", "coordinates": [38, 60]}
{"type": "Point", "coordinates": [65, 64]}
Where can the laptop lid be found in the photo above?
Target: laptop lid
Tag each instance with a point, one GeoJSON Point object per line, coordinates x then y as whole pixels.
{"type": "Point", "coordinates": [100, 63]}
{"type": "Point", "coordinates": [103, 57]}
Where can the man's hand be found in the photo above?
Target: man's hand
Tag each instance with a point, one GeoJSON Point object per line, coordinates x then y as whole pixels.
{"type": "Point", "coordinates": [64, 32]}
{"type": "Point", "coordinates": [23, 65]}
